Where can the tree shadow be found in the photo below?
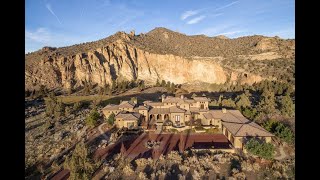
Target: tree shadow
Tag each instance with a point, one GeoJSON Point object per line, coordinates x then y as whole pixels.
{"type": "Point", "coordinates": [148, 170]}
{"type": "Point", "coordinates": [173, 175]}
{"type": "Point", "coordinates": [34, 126]}
{"type": "Point", "coordinates": [234, 164]}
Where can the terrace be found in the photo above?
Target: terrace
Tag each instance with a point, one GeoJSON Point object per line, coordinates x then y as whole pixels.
{"type": "Point", "coordinates": [138, 147]}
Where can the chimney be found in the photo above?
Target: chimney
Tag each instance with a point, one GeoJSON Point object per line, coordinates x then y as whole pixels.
{"type": "Point", "coordinates": [181, 96]}
{"type": "Point", "coordinates": [163, 97]}
{"type": "Point", "coordinates": [224, 110]}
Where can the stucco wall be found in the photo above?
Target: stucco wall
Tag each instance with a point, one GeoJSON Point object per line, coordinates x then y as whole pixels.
{"type": "Point", "coordinates": [121, 123]}
{"type": "Point", "coordinates": [205, 121]}
{"type": "Point", "coordinates": [173, 118]}
{"type": "Point", "coordinates": [187, 118]}
{"type": "Point", "coordinates": [107, 113]}
{"type": "Point", "coordinates": [127, 109]}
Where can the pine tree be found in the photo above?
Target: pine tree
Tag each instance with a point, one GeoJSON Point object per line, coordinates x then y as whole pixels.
{"type": "Point", "coordinates": [163, 83]}
{"type": "Point", "coordinates": [172, 88]}
{"type": "Point", "coordinates": [157, 83]}
{"type": "Point", "coordinates": [168, 84]}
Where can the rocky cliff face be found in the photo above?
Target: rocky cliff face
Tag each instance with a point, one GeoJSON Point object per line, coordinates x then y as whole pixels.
{"type": "Point", "coordinates": [123, 60]}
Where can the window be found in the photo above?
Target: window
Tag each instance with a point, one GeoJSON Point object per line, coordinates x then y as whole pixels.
{"type": "Point", "coordinates": [177, 118]}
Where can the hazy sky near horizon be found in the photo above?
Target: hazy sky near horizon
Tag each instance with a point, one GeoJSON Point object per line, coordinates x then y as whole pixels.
{"type": "Point", "coordinates": [66, 22]}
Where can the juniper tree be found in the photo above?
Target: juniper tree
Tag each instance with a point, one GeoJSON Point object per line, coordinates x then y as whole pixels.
{"type": "Point", "coordinates": [163, 83]}
{"type": "Point", "coordinates": [243, 101]}
{"type": "Point", "coordinates": [111, 119]}
{"type": "Point", "coordinates": [286, 106]}
{"type": "Point", "coordinates": [80, 165]}
{"type": "Point", "coordinates": [157, 83]}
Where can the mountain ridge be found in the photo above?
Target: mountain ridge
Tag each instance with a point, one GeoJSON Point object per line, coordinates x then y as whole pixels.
{"type": "Point", "coordinates": [152, 56]}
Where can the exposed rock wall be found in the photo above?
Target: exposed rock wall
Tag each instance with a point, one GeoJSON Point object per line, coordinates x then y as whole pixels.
{"type": "Point", "coordinates": [122, 61]}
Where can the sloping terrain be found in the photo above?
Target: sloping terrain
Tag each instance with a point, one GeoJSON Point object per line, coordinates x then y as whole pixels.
{"type": "Point", "coordinates": [165, 55]}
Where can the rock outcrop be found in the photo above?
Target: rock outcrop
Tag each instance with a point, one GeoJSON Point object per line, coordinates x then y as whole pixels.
{"type": "Point", "coordinates": [122, 59]}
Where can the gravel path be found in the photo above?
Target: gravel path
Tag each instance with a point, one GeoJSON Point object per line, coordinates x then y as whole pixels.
{"type": "Point", "coordinates": [102, 132]}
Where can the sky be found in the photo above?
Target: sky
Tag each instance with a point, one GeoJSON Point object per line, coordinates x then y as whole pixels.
{"type": "Point", "coordinates": [59, 23]}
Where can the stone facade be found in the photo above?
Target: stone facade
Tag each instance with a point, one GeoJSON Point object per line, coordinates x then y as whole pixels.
{"type": "Point", "coordinates": [180, 110]}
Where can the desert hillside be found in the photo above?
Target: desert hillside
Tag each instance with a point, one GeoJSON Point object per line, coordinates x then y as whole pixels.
{"type": "Point", "coordinates": [164, 55]}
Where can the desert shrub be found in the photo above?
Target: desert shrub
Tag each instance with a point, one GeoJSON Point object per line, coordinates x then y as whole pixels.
{"type": "Point", "coordinates": [250, 113]}
{"type": "Point", "coordinates": [214, 103]}
{"type": "Point", "coordinates": [280, 130]}
{"type": "Point", "coordinates": [286, 106]}
{"type": "Point", "coordinates": [199, 128]}
{"type": "Point", "coordinates": [243, 101]}
{"type": "Point", "coordinates": [212, 130]}
{"type": "Point", "coordinates": [68, 111]}
{"type": "Point", "coordinates": [261, 149]}
{"type": "Point", "coordinates": [228, 103]}
{"type": "Point", "coordinates": [77, 106]}
{"type": "Point", "coordinates": [53, 106]}
{"type": "Point", "coordinates": [59, 109]}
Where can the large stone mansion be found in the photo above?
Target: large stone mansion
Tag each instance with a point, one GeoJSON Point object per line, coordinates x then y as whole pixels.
{"type": "Point", "coordinates": [177, 111]}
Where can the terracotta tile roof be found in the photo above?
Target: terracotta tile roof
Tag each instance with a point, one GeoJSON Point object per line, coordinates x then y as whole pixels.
{"type": "Point", "coordinates": [127, 104]}
{"type": "Point", "coordinates": [194, 109]}
{"type": "Point", "coordinates": [203, 110]}
{"type": "Point", "coordinates": [159, 111]}
{"type": "Point", "coordinates": [189, 101]}
{"type": "Point", "coordinates": [150, 103]}
{"type": "Point", "coordinates": [202, 99]}
{"type": "Point", "coordinates": [207, 116]}
{"type": "Point", "coordinates": [128, 116]}
{"type": "Point", "coordinates": [111, 107]}
{"type": "Point", "coordinates": [173, 100]}
{"type": "Point", "coordinates": [143, 108]}
{"type": "Point", "coordinates": [146, 102]}
{"type": "Point", "coordinates": [175, 109]}
{"type": "Point", "coordinates": [239, 125]}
